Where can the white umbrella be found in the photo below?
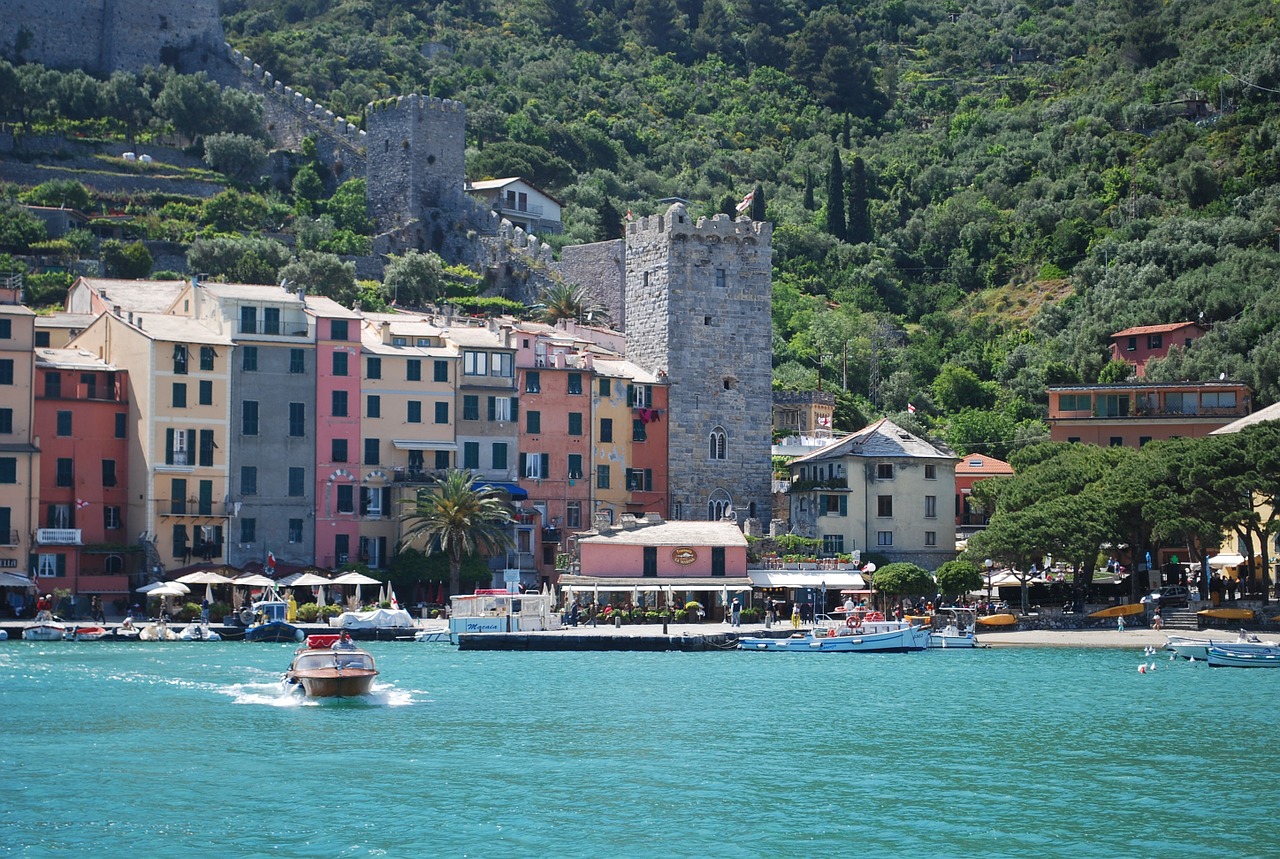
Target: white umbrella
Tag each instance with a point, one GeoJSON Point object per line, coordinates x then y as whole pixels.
{"type": "Point", "coordinates": [320, 595]}
{"type": "Point", "coordinates": [1226, 559]}
{"type": "Point", "coordinates": [166, 589]}
{"type": "Point", "coordinates": [382, 594]}
{"type": "Point", "coordinates": [253, 580]}
{"type": "Point", "coordinates": [208, 593]}
{"type": "Point", "coordinates": [204, 577]}
{"type": "Point", "coordinates": [357, 579]}
{"type": "Point", "coordinates": [171, 589]}
{"type": "Point", "coordinates": [307, 580]}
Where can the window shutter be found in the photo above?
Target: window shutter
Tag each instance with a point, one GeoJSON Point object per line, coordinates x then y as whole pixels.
{"type": "Point", "coordinates": [493, 412]}
{"type": "Point", "coordinates": [546, 465]}
{"type": "Point", "coordinates": [844, 505]}
{"type": "Point", "coordinates": [514, 402]}
{"type": "Point", "coordinates": [62, 565]}
{"type": "Point", "coordinates": [168, 446]}
{"type": "Point", "coordinates": [191, 446]}
{"type": "Point", "coordinates": [523, 470]}
{"type": "Point", "coordinates": [386, 501]}
{"type": "Point", "coordinates": [364, 502]}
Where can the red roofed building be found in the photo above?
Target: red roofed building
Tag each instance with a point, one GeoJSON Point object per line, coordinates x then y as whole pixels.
{"type": "Point", "coordinates": [1138, 345]}
{"type": "Point", "coordinates": [969, 470]}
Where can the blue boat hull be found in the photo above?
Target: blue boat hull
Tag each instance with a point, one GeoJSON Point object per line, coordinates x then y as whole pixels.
{"type": "Point", "coordinates": [275, 630]}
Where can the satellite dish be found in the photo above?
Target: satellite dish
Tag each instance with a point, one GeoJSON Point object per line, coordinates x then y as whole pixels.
{"type": "Point", "coordinates": [1222, 376]}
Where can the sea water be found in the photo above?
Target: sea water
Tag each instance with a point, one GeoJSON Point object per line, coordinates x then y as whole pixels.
{"type": "Point", "coordinates": [166, 749]}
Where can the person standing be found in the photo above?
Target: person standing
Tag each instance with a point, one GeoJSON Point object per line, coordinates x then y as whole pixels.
{"type": "Point", "coordinates": [204, 610]}
{"type": "Point", "coordinates": [795, 615]}
{"type": "Point", "coordinates": [95, 609]}
{"type": "Point", "coordinates": [736, 614]}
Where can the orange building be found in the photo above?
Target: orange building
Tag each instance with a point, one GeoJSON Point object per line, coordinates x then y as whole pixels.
{"type": "Point", "coordinates": [970, 470]}
{"type": "Point", "coordinates": [1139, 345]}
{"type": "Point", "coordinates": [1130, 415]}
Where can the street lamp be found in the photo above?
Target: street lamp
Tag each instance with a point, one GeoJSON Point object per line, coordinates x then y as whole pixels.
{"type": "Point", "coordinates": [988, 563]}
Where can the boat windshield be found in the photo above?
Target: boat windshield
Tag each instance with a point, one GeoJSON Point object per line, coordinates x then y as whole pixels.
{"type": "Point", "coordinates": [316, 660]}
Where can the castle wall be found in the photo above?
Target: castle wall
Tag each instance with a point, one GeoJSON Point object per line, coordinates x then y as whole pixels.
{"type": "Point", "coordinates": [697, 305]}
{"type": "Point", "coordinates": [104, 36]}
{"type": "Point", "coordinates": [600, 269]}
{"type": "Point", "coordinates": [415, 148]}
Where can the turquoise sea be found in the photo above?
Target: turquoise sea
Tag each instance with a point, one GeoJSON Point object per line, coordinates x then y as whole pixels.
{"type": "Point", "coordinates": [188, 748]}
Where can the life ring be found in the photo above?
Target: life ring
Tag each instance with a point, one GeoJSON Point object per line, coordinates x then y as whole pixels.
{"type": "Point", "coordinates": [875, 615]}
{"type": "Point", "coordinates": [831, 633]}
{"type": "Point", "coordinates": [853, 621]}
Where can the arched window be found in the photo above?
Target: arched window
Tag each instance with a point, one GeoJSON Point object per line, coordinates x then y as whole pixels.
{"type": "Point", "coordinates": [113, 565]}
{"type": "Point", "coordinates": [719, 506]}
{"type": "Point", "coordinates": [717, 444]}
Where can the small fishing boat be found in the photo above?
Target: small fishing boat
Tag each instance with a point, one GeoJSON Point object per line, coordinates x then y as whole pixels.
{"type": "Point", "coordinates": [87, 633]}
{"type": "Point", "coordinates": [1126, 610]}
{"type": "Point", "coordinates": [158, 631]}
{"type": "Point", "coordinates": [433, 635]}
{"type": "Point", "coordinates": [1230, 656]}
{"type": "Point", "coordinates": [998, 619]}
{"type": "Point", "coordinates": [862, 632]}
{"type": "Point", "coordinates": [44, 630]}
{"type": "Point", "coordinates": [1189, 647]}
{"type": "Point", "coordinates": [958, 630]}
{"type": "Point", "coordinates": [269, 624]}
{"type": "Point", "coordinates": [326, 672]}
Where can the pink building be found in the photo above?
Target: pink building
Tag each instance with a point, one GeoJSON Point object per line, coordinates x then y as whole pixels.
{"type": "Point", "coordinates": [651, 552]}
{"type": "Point", "coordinates": [337, 510]}
{"type": "Point", "coordinates": [970, 470]}
{"type": "Point", "coordinates": [1138, 345]}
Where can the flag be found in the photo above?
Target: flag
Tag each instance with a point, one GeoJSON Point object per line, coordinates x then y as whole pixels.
{"type": "Point", "coordinates": [824, 421]}
{"type": "Point", "coordinates": [81, 504]}
{"type": "Point", "coordinates": [271, 563]}
{"type": "Point", "coordinates": [911, 408]}
{"type": "Point", "coordinates": [746, 202]}
{"type": "Point", "coordinates": [629, 215]}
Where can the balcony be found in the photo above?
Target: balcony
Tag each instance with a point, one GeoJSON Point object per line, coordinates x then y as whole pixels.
{"type": "Point", "coordinates": [58, 536]}
{"type": "Point", "coordinates": [86, 393]}
{"type": "Point", "coordinates": [522, 561]}
{"type": "Point", "coordinates": [282, 329]}
{"type": "Point", "coordinates": [552, 535]}
{"type": "Point", "coordinates": [415, 475]}
{"type": "Point", "coordinates": [191, 507]}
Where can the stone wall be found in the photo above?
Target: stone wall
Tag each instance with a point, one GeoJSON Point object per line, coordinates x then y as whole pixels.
{"type": "Point", "coordinates": [600, 268]}
{"type": "Point", "coordinates": [415, 147]}
{"type": "Point", "coordinates": [698, 304]}
{"type": "Point", "coordinates": [103, 36]}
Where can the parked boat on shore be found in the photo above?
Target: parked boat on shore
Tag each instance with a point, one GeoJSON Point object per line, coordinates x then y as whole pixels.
{"type": "Point", "coordinates": [46, 629]}
{"type": "Point", "coordinates": [1002, 619]}
{"type": "Point", "coordinates": [862, 632]}
{"type": "Point", "coordinates": [320, 671]}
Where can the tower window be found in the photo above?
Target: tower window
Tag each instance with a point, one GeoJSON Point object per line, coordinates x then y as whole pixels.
{"type": "Point", "coordinates": [717, 444]}
{"type": "Point", "coordinates": [706, 320]}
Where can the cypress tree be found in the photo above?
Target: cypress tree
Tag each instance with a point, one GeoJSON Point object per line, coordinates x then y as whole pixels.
{"type": "Point", "coordinates": [859, 219]}
{"type": "Point", "coordinates": [809, 203]}
{"type": "Point", "coordinates": [756, 210]}
{"type": "Point", "coordinates": [835, 198]}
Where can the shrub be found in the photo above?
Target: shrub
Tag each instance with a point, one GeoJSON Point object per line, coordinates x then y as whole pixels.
{"type": "Point", "coordinates": [307, 612]}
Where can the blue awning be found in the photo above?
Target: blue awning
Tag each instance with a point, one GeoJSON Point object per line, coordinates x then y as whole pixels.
{"type": "Point", "coordinates": [511, 489]}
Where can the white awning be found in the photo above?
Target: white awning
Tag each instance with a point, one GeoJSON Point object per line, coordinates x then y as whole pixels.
{"type": "Point", "coordinates": [833, 579]}
{"type": "Point", "coordinates": [15, 580]}
{"type": "Point", "coordinates": [420, 444]}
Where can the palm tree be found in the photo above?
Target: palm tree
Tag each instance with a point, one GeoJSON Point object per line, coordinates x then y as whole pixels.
{"type": "Point", "coordinates": [457, 517]}
{"type": "Point", "coordinates": [569, 301]}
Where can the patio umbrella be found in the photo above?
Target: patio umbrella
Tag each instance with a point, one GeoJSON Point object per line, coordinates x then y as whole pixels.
{"type": "Point", "coordinates": [1226, 559]}
{"type": "Point", "coordinates": [305, 580]}
{"type": "Point", "coordinates": [204, 577]}
{"type": "Point", "coordinates": [174, 589]}
{"type": "Point", "coordinates": [254, 580]}
{"type": "Point", "coordinates": [357, 579]}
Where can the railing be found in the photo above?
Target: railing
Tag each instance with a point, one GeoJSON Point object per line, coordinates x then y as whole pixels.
{"type": "Point", "coordinates": [415, 475]}
{"type": "Point", "coordinates": [513, 561]}
{"type": "Point", "coordinates": [551, 535]}
{"type": "Point", "coordinates": [975, 520]}
{"type": "Point", "coordinates": [83, 394]}
{"type": "Point", "coordinates": [503, 205]}
{"type": "Point", "coordinates": [58, 536]}
{"type": "Point", "coordinates": [191, 507]}
{"type": "Point", "coordinates": [282, 329]}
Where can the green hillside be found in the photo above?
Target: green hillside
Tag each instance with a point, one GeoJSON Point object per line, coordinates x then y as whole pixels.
{"type": "Point", "coordinates": [1015, 180]}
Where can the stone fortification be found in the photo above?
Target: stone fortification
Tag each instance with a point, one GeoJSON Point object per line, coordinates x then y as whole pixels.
{"type": "Point", "coordinates": [697, 306]}
{"type": "Point", "coordinates": [104, 36]}
{"type": "Point", "coordinates": [415, 145]}
{"type": "Point", "coordinates": [600, 269]}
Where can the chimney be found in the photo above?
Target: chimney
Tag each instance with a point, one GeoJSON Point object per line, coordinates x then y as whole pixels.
{"type": "Point", "coordinates": [384, 328]}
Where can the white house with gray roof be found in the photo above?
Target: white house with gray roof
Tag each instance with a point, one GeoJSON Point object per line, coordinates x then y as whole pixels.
{"type": "Point", "coordinates": [881, 490]}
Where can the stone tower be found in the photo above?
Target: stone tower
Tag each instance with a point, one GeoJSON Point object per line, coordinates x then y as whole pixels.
{"type": "Point", "coordinates": [415, 149]}
{"type": "Point", "coordinates": [698, 309]}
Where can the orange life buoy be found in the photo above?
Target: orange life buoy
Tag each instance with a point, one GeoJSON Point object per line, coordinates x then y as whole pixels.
{"type": "Point", "coordinates": [831, 633]}
{"type": "Point", "coordinates": [854, 621]}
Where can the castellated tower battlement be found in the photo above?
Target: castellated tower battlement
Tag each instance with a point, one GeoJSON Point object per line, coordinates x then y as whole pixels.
{"type": "Point", "coordinates": [415, 147]}
{"type": "Point", "coordinates": [697, 305]}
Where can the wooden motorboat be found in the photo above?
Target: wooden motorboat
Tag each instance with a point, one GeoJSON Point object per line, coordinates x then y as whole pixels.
{"type": "Point", "coordinates": [44, 630]}
{"type": "Point", "coordinates": [87, 633]}
{"type": "Point", "coordinates": [330, 673]}
{"type": "Point", "coordinates": [1230, 656]}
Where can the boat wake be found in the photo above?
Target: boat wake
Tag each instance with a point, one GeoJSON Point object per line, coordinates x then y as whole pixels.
{"type": "Point", "coordinates": [275, 695]}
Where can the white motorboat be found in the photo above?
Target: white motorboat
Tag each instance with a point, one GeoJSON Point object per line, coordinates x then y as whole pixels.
{"type": "Point", "coordinates": [157, 632]}
{"type": "Point", "coordinates": [1233, 656]}
{"type": "Point", "coordinates": [1190, 647]}
{"type": "Point", "coordinates": [433, 635]}
{"type": "Point", "coordinates": [863, 632]}
{"type": "Point", "coordinates": [958, 630]}
{"type": "Point", "coordinates": [93, 632]}
{"type": "Point", "coordinates": [47, 629]}
{"type": "Point", "coordinates": [198, 632]}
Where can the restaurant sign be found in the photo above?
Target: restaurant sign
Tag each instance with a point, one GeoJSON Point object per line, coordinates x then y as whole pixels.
{"type": "Point", "coordinates": [683, 555]}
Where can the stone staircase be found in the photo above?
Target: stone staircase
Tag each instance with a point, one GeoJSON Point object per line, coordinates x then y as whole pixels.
{"type": "Point", "coordinates": [1181, 619]}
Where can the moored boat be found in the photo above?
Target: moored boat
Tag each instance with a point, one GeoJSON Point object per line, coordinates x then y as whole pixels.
{"type": "Point", "coordinates": [158, 631]}
{"type": "Point", "coordinates": [1189, 647]}
{"type": "Point", "coordinates": [87, 633]}
{"type": "Point", "coordinates": [1227, 613]}
{"type": "Point", "coordinates": [270, 625]}
{"type": "Point", "coordinates": [44, 630]}
{"type": "Point", "coordinates": [861, 633]}
{"type": "Point", "coordinates": [1231, 656]}
{"type": "Point", "coordinates": [958, 630]}
{"type": "Point", "coordinates": [1001, 619]}
{"type": "Point", "coordinates": [198, 632]}
{"type": "Point", "coordinates": [331, 673]}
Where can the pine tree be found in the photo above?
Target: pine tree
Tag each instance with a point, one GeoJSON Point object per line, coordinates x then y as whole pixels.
{"type": "Point", "coordinates": [835, 198]}
{"type": "Point", "coordinates": [756, 210]}
{"type": "Point", "coordinates": [859, 219]}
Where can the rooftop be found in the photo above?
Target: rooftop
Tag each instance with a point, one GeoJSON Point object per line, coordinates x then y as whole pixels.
{"type": "Point", "coordinates": [883, 438]}
{"type": "Point", "coordinates": [664, 533]}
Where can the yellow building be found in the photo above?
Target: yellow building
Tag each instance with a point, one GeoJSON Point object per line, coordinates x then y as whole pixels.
{"type": "Point", "coordinates": [19, 450]}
